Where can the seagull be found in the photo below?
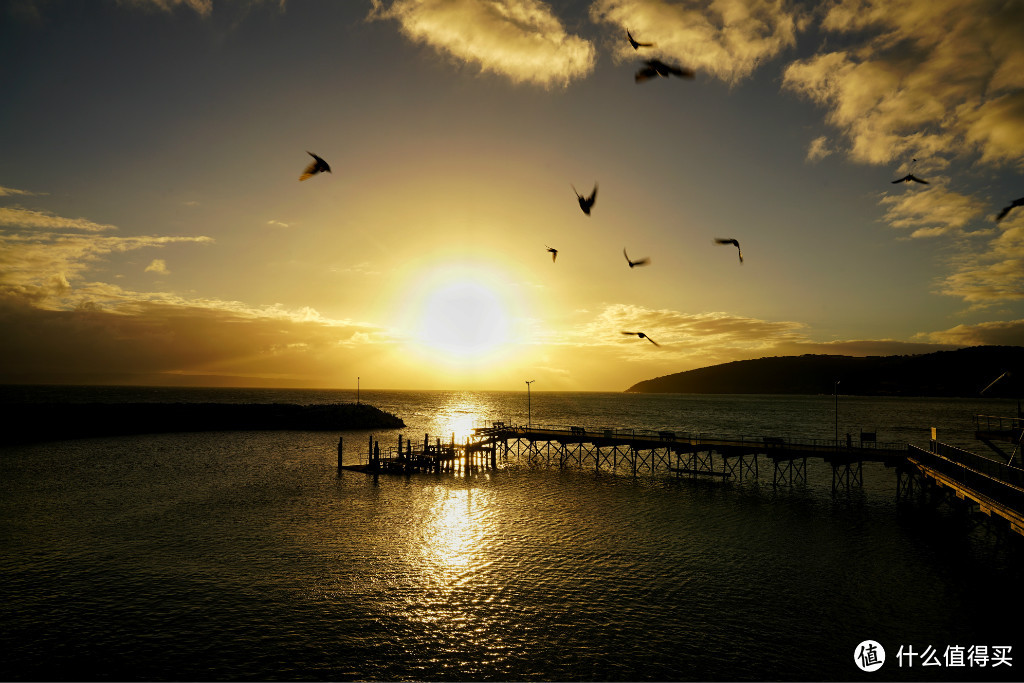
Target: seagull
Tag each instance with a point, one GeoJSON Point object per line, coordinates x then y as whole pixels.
{"type": "Point", "coordinates": [586, 202]}
{"type": "Point", "coordinates": [632, 264]}
{"type": "Point", "coordinates": [635, 44]}
{"type": "Point", "coordinates": [657, 68]}
{"type": "Point", "coordinates": [554, 253]}
{"type": "Point", "coordinates": [719, 240]}
{"type": "Point", "coordinates": [315, 166]}
{"type": "Point", "coordinates": [1006, 209]}
{"type": "Point", "coordinates": [910, 177]}
{"type": "Point", "coordinates": [643, 336]}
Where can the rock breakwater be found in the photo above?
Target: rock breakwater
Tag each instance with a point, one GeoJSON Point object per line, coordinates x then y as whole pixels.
{"type": "Point", "coordinates": [49, 421]}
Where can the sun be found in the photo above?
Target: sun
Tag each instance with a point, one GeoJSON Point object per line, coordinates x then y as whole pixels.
{"type": "Point", "coordinates": [461, 315]}
{"type": "Point", "coordinates": [463, 319]}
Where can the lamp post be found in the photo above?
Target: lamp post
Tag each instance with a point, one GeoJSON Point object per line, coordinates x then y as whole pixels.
{"type": "Point", "coordinates": [528, 383]}
{"type": "Point", "coordinates": [357, 391]}
{"type": "Point", "coordinates": [835, 396]}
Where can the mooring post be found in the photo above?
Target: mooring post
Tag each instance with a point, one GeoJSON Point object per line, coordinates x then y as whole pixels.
{"type": "Point", "coordinates": [341, 441]}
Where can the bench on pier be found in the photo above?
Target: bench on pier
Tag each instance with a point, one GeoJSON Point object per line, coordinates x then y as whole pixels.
{"type": "Point", "coordinates": [775, 441]}
{"type": "Point", "coordinates": [667, 436]}
{"type": "Point", "coordinates": [577, 431]}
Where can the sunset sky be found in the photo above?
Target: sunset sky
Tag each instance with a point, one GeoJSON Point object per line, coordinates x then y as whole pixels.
{"type": "Point", "coordinates": [153, 229]}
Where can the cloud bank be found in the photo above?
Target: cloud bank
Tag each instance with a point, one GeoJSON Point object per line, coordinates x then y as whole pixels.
{"type": "Point", "coordinates": [520, 39]}
{"type": "Point", "coordinates": [923, 78]}
{"type": "Point", "coordinates": [725, 38]}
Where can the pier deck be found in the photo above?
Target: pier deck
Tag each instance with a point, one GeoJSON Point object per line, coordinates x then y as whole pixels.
{"type": "Point", "coordinates": [991, 488]}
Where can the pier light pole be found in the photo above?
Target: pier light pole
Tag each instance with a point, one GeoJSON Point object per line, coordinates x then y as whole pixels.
{"type": "Point", "coordinates": [357, 391]}
{"type": "Point", "coordinates": [528, 383]}
{"type": "Point", "coordinates": [835, 396]}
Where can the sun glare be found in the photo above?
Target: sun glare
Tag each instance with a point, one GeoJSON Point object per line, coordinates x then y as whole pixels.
{"type": "Point", "coordinates": [461, 315]}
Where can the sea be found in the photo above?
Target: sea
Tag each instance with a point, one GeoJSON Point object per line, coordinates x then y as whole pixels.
{"type": "Point", "coordinates": [248, 556]}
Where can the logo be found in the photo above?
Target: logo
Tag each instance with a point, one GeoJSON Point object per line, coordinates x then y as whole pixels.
{"type": "Point", "coordinates": [869, 655]}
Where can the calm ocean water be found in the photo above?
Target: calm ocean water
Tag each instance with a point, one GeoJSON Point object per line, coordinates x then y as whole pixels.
{"type": "Point", "coordinates": [244, 555]}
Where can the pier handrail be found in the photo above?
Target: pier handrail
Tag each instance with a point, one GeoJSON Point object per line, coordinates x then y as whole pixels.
{"type": "Point", "coordinates": [695, 437]}
{"type": "Point", "coordinates": [1002, 423]}
{"type": "Point", "coordinates": [1001, 482]}
{"type": "Point", "coordinates": [979, 463]}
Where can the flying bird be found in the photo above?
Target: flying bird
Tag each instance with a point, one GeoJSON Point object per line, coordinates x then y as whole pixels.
{"type": "Point", "coordinates": [1006, 209]}
{"type": "Point", "coordinates": [315, 166]}
{"type": "Point", "coordinates": [633, 264]}
{"type": "Point", "coordinates": [586, 202]}
{"type": "Point", "coordinates": [657, 68]}
{"type": "Point", "coordinates": [635, 44]}
{"type": "Point", "coordinates": [910, 177]}
{"type": "Point", "coordinates": [719, 240]}
{"type": "Point", "coordinates": [643, 336]}
{"type": "Point", "coordinates": [554, 253]}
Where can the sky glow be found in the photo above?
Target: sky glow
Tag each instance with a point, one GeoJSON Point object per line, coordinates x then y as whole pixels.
{"type": "Point", "coordinates": [153, 229]}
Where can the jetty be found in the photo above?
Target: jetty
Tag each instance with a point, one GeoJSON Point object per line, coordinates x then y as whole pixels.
{"type": "Point", "coordinates": [977, 484]}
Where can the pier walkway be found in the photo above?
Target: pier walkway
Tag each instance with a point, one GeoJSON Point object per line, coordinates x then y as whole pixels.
{"type": "Point", "coordinates": [977, 484]}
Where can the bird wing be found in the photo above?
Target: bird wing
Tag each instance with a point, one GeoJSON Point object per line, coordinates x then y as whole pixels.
{"type": "Point", "coordinates": [917, 180]}
{"type": "Point", "coordinates": [1002, 214]}
{"type": "Point", "coordinates": [646, 73]}
{"type": "Point", "coordinates": [901, 180]}
{"type": "Point", "coordinates": [593, 195]}
{"type": "Point", "coordinates": [641, 262]}
{"type": "Point", "coordinates": [315, 166]}
{"type": "Point", "coordinates": [652, 341]}
{"type": "Point", "coordinates": [719, 240]}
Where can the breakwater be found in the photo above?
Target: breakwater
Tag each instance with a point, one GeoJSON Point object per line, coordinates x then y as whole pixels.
{"type": "Point", "coordinates": [50, 421]}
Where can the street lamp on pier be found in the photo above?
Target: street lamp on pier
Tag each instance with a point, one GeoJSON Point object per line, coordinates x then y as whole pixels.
{"type": "Point", "coordinates": [528, 383]}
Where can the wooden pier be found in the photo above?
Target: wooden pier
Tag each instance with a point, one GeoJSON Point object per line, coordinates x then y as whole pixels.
{"type": "Point", "coordinates": [652, 452]}
{"type": "Point", "coordinates": [989, 488]}
{"type": "Point", "coordinates": [405, 458]}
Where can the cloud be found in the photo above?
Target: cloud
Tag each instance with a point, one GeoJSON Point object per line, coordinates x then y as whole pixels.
{"type": "Point", "coordinates": [931, 212]}
{"type": "Point", "coordinates": [278, 224]}
{"type": "Point", "coordinates": [159, 339]}
{"type": "Point", "coordinates": [203, 7]}
{"type": "Point", "coordinates": [520, 39]}
{"type": "Point", "coordinates": [725, 38]}
{"type": "Point", "coordinates": [10, 191]}
{"type": "Point", "coordinates": [26, 218]}
{"type": "Point", "coordinates": [707, 335]}
{"type": "Point", "coordinates": [28, 263]}
{"type": "Point", "coordinates": [818, 149]}
{"type": "Point", "coordinates": [158, 265]}
{"type": "Point", "coordinates": [993, 274]}
{"type": "Point", "coordinates": [922, 78]}
{"type": "Point", "coordinates": [996, 333]}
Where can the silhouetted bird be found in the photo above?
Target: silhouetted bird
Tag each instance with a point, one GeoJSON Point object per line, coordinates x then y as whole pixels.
{"type": "Point", "coordinates": [635, 44]}
{"type": "Point", "coordinates": [910, 177]}
{"type": "Point", "coordinates": [633, 264]}
{"type": "Point", "coordinates": [1006, 209]}
{"type": "Point", "coordinates": [643, 336]}
{"type": "Point", "coordinates": [554, 253]}
{"type": "Point", "coordinates": [586, 202]}
{"type": "Point", "coordinates": [316, 166]}
{"type": "Point", "coordinates": [719, 240]}
{"type": "Point", "coordinates": [657, 68]}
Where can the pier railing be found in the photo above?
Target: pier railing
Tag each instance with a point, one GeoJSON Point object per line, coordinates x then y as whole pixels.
{"type": "Point", "coordinates": [694, 437]}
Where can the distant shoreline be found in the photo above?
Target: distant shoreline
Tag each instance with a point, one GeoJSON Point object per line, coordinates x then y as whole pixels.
{"type": "Point", "coordinates": [32, 422]}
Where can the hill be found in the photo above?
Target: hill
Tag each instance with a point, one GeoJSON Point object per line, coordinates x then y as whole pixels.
{"type": "Point", "coordinates": [963, 372]}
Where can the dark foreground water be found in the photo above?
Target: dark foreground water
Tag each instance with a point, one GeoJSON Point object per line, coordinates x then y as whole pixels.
{"type": "Point", "coordinates": [244, 555]}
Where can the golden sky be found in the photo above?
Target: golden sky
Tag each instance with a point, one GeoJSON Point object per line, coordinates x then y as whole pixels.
{"type": "Point", "coordinates": [153, 229]}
